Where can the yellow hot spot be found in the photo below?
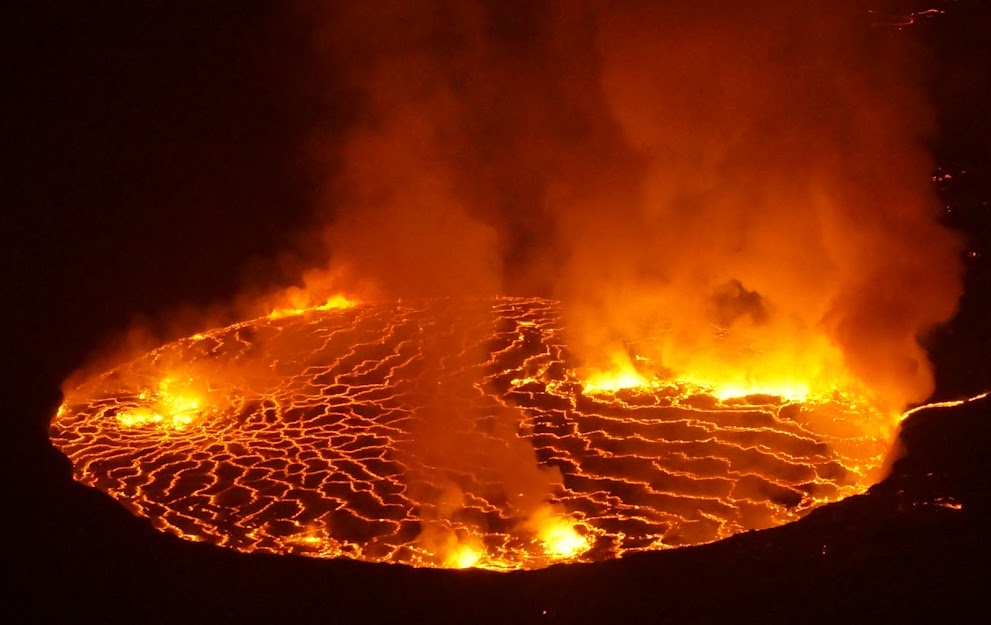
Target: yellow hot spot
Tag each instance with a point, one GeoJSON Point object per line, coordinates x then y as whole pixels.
{"type": "Point", "coordinates": [179, 400]}
{"type": "Point", "coordinates": [464, 557]}
{"type": "Point", "coordinates": [622, 375]}
{"type": "Point", "coordinates": [174, 405]}
{"type": "Point", "coordinates": [560, 538]}
{"type": "Point", "coordinates": [301, 303]}
{"type": "Point", "coordinates": [795, 391]}
{"type": "Point", "coordinates": [611, 382]}
{"type": "Point", "coordinates": [518, 382]}
{"type": "Point", "coordinates": [182, 403]}
{"type": "Point", "coordinates": [311, 537]}
{"type": "Point", "coordinates": [137, 417]}
{"type": "Point", "coordinates": [337, 301]}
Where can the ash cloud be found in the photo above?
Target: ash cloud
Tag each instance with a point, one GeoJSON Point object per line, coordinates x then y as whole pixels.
{"type": "Point", "coordinates": [675, 172]}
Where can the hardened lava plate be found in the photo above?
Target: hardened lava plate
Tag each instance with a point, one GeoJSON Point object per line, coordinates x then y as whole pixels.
{"type": "Point", "coordinates": [391, 432]}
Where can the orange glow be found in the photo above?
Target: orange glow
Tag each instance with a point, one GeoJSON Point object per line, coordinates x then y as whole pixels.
{"type": "Point", "coordinates": [463, 557]}
{"type": "Point", "coordinates": [622, 375]}
{"type": "Point", "coordinates": [791, 391]}
{"type": "Point", "coordinates": [522, 464]}
{"type": "Point", "coordinates": [173, 405]}
{"type": "Point", "coordinates": [731, 222]}
{"type": "Point", "coordinates": [301, 302]}
{"type": "Point", "coordinates": [760, 376]}
{"type": "Point", "coordinates": [562, 541]}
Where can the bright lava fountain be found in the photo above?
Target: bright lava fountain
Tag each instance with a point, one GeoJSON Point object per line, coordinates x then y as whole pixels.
{"type": "Point", "coordinates": [298, 434]}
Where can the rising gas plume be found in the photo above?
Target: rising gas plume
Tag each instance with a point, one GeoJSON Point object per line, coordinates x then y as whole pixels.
{"type": "Point", "coordinates": [734, 193]}
{"type": "Point", "coordinates": [730, 203]}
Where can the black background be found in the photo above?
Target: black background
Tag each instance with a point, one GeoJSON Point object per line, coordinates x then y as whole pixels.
{"type": "Point", "coordinates": [151, 161]}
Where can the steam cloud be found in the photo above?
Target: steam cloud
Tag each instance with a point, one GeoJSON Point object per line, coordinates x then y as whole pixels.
{"type": "Point", "coordinates": [738, 188]}
{"type": "Point", "coordinates": [666, 169]}
{"type": "Point", "coordinates": [444, 452]}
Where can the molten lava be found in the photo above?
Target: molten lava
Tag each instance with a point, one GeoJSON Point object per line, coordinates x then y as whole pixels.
{"type": "Point", "coordinates": [303, 432]}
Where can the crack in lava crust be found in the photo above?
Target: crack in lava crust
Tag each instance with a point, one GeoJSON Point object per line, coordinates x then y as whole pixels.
{"type": "Point", "coordinates": [296, 435]}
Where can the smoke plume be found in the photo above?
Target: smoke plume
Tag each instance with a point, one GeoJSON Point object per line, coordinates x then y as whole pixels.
{"type": "Point", "coordinates": [731, 190]}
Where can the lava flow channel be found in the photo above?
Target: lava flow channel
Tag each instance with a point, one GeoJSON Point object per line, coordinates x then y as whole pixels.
{"type": "Point", "coordinates": [297, 433]}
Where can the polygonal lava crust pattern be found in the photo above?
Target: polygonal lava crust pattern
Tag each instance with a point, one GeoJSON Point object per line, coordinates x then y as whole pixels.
{"type": "Point", "coordinates": [313, 448]}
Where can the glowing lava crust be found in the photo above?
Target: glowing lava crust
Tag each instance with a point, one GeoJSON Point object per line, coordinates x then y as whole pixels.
{"type": "Point", "coordinates": [298, 433]}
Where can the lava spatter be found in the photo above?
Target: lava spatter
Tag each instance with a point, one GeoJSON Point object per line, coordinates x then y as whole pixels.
{"type": "Point", "coordinates": [298, 433]}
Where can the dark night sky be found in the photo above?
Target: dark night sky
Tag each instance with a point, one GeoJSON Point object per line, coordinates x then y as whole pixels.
{"type": "Point", "coordinates": [153, 160]}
